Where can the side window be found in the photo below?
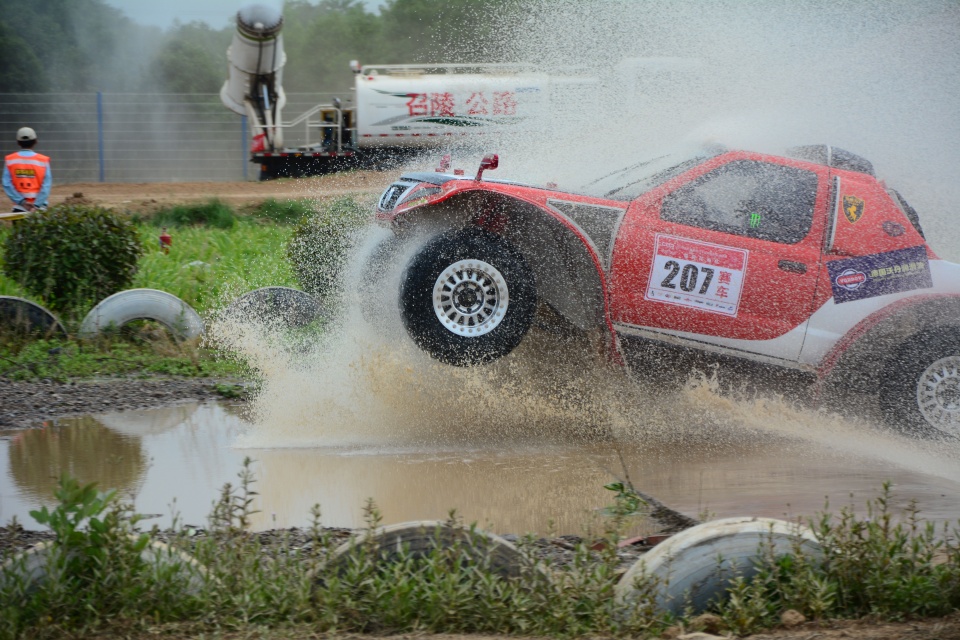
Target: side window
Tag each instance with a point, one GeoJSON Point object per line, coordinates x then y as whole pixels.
{"type": "Point", "coordinates": [748, 198]}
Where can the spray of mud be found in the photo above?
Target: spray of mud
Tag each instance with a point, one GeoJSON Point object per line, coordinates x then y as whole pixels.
{"type": "Point", "coordinates": [366, 384]}
{"type": "Point", "coordinates": [876, 79]}
{"type": "Point", "coordinates": [363, 387]}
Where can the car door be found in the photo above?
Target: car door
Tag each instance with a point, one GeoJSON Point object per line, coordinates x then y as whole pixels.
{"type": "Point", "coordinates": [726, 254]}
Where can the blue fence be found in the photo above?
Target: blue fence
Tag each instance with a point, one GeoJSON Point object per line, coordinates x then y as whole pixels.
{"type": "Point", "coordinates": [138, 137]}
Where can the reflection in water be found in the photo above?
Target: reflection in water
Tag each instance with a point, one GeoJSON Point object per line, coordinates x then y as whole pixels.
{"type": "Point", "coordinates": [84, 448]}
{"type": "Point", "coordinates": [537, 482]}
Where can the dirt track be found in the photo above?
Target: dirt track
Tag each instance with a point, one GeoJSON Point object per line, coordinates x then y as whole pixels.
{"type": "Point", "coordinates": [146, 196]}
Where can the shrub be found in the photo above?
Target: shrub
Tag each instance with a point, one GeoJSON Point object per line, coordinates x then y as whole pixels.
{"type": "Point", "coordinates": [70, 256]}
{"type": "Point", "coordinates": [318, 249]}
{"type": "Point", "coordinates": [95, 571]}
{"type": "Point", "coordinates": [285, 211]}
{"type": "Point", "coordinates": [213, 213]}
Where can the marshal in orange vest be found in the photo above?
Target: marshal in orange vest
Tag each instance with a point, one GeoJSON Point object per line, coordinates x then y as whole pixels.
{"type": "Point", "coordinates": [27, 174]}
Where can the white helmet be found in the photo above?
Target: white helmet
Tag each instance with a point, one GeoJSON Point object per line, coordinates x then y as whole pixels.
{"type": "Point", "coordinates": [26, 134]}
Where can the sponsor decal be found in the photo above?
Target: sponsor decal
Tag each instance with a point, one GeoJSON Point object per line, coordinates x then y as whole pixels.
{"type": "Point", "coordinates": [893, 229]}
{"type": "Point", "coordinates": [879, 274]}
{"type": "Point", "coordinates": [699, 275]}
{"type": "Point", "coordinates": [852, 208]}
{"type": "Point", "coordinates": [851, 279]}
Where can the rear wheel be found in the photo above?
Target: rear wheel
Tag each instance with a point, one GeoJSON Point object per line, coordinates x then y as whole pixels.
{"type": "Point", "coordinates": [468, 297]}
{"type": "Point", "coordinates": [922, 392]}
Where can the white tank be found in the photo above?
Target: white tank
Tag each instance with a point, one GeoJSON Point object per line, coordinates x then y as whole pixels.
{"type": "Point", "coordinates": [408, 106]}
{"type": "Point", "coordinates": [256, 52]}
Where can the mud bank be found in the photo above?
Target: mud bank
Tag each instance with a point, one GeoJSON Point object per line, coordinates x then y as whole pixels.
{"type": "Point", "coordinates": [29, 404]}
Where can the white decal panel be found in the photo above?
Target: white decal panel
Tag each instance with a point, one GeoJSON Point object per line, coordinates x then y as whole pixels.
{"type": "Point", "coordinates": [695, 274]}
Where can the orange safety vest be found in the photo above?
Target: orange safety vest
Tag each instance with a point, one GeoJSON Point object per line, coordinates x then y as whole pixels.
{"type": "Point", "coordinates": [27, 174]}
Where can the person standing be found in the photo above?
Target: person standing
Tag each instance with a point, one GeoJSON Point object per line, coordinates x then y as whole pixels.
{"type": "Point", "coordinates": [26, 174]}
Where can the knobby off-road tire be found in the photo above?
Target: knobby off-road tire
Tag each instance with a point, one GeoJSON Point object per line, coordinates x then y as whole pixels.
{"type": "Point", "coordinates": [468, 297]}
{"type": "Point", "coordinates": [921, 393]}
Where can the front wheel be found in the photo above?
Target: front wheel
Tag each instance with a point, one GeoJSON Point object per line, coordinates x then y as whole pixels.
{"type": "Point", "coordinates": [468, 297]}
{"type": "Point", "coordinates": [923, 395]}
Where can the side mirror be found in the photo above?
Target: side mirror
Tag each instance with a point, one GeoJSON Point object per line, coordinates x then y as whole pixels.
{"type": "Point", "coordinates": [490, 161]}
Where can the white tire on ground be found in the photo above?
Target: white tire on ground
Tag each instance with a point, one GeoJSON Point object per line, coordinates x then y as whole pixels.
{"type": "Point", "coordinates": [28, 570]}
{"type": "Point", "coordinates": [143, 304]}
{"type": "Point", "coordinates": [697, 565]}
{"type": "Point", "coordinates": [20, 314]}
{"type": "Point", "coordinates": [421, 538]}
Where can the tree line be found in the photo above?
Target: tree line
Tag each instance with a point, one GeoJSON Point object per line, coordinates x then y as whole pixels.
{"type": "Point", "coordinates": [87, 45]}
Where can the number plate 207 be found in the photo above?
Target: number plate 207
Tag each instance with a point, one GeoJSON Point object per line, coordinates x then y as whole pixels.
{"type": "Point", "coordinates": [696, 274]}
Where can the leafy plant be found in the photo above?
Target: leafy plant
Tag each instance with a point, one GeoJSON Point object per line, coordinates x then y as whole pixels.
{"type": "Point", "coordinates": [94, 570]}
{"type": "Point", "coordinates": [71, 256]}
{"type": "Point", "coordinates": [319, 246]}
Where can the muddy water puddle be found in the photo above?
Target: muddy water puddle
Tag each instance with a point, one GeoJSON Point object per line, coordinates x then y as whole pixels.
{"type": "Point", "coordinates": [180, 457]}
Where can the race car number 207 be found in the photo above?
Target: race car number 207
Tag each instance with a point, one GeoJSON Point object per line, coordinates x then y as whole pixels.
{"type": "Point", "coordinates": [696, 274]}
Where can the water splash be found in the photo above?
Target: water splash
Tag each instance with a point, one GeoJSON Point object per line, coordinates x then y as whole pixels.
{"type": "Point", "coordinates": [877, 80]}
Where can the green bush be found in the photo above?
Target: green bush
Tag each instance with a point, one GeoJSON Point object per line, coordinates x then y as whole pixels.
{"type": "Point", "coordinates": [213, 213]}
{"type": "Point", "coordinates": [72, 256]}
{"type": "Point", "coordinates": [318, 249]}
{"type": "Point", "coordinates": [285, 211]}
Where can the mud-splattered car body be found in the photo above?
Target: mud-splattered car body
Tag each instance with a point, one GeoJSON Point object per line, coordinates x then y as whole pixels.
{"type": "Point", "coordinates": [806, 262]}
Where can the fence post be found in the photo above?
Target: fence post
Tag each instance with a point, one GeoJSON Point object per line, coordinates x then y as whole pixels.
{"type": "Point", "coordinates": [243, 144]}
{"type": "Point", "coordinates": [100, 132]}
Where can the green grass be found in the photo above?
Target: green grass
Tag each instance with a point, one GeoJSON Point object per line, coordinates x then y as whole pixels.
{"type": "Point", "coordinates": [214, 213]}
{"type": "Point", "coordinates": [63, 360]}
{"type": "Point", "coordinates": [285, 211]}
{"type": "Point", "coordinates": [207, 267]}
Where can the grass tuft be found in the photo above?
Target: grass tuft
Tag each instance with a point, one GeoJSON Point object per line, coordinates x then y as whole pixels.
{"type": "Point", "coordinates": [285, 211]}
{"type": "Point", "coordinates": [214, 213]}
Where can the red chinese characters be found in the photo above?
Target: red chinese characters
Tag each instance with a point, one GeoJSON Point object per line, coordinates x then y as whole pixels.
{"type": "Point", "coordinates": [477, 104]}
{"type": "Point", "coordinates": [503, 103]}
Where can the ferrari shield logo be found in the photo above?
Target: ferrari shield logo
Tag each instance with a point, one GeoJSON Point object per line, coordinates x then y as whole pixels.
{"type": "Point", "coordinates": [852, 208]}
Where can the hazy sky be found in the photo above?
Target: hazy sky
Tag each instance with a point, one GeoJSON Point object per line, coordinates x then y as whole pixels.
{"type": "Point", "coordinates": [216, 13]}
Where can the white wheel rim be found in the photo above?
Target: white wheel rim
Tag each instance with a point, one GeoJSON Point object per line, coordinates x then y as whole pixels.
{"type": "Point", "coordinates": [938, 394]}
{"type": "Point", "coordinates": [470, 298]}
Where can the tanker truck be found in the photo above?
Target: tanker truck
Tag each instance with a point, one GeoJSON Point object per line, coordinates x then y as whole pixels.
{"type": "Point", "coordinates": [394, 111]}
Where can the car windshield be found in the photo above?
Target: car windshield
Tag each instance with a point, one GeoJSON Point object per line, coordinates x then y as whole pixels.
{"type": "Point", "coordinates": [629, 182]}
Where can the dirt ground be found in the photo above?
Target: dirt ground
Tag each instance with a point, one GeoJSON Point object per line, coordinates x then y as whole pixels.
{"type": "Point", "coordinates": [139, 197]}
{"type": "Point", "coordinates": [29, 404]}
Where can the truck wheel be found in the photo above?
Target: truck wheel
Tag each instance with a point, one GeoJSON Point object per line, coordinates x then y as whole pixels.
{"type": "Point", "coordinates": [468, 297]}
{"type": "Point", "coordinates": [922, 396]}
